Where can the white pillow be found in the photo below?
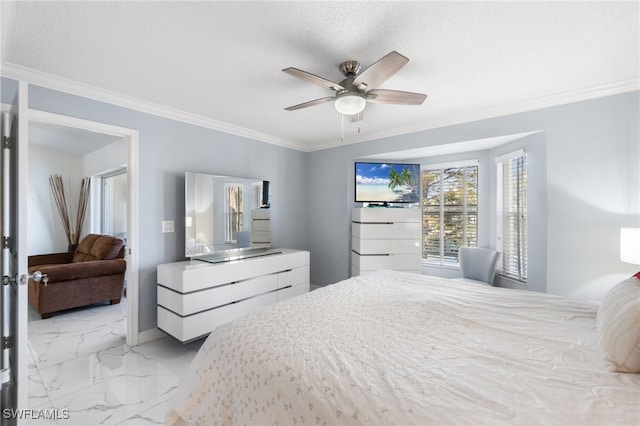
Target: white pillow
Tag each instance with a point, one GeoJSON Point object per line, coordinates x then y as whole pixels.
{"type": "Point", "coordinates": [618, 323]}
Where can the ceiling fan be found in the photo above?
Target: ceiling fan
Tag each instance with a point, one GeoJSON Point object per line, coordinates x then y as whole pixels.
{"type": "Point", "coordinates": [358, 88]}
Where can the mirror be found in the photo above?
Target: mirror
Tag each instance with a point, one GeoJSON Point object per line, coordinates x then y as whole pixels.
{"type": "Point", "coordinates": [224, 213]}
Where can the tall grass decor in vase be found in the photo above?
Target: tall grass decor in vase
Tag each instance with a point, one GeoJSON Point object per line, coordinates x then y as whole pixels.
{"type": "Point", "coordinates": [72, 225]}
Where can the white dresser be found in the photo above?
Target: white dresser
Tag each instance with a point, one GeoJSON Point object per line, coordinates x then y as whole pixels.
{"type": "Point", "coordinates": [385, 238]}
{"type": "Point", "coordinates": [195, 297]}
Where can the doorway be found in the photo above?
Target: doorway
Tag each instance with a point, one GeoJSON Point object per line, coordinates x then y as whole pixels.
{"type": "Point", "coordinates": [113, 145]}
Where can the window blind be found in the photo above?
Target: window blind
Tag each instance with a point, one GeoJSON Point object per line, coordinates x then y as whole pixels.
{"type": "Point", "coordinates": [512, 215]}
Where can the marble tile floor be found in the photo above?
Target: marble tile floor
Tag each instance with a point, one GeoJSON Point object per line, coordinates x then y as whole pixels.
{"type": "Point", "coordinates": [81, 370]}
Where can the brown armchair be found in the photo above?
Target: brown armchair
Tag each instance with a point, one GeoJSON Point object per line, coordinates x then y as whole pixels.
{"type": "Point", "coordinates": [93, 273]}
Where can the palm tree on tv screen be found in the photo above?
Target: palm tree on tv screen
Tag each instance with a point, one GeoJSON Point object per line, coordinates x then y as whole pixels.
{"type": "Point", "coordinates": [403, 178]}
{"type": "Point", "coordinates": [395, 179]}
{"type": "Point", "coordinates": [407, 178]}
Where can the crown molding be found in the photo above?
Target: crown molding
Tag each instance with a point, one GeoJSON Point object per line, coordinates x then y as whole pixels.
{"type": "Point", "coordinates": [49, 81]}
{"type": "Point", "coordinates": [630, 85]}
{"type": "Point", "coordinates": [61, 84]}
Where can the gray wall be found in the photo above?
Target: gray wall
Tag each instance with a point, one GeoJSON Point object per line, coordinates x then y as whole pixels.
{"type": "Point", "coordinates": [167, 149]}
{"type": "Point", "coordinates": [591, 150]}
{"type": "Point", "coordinates": [8, 91]}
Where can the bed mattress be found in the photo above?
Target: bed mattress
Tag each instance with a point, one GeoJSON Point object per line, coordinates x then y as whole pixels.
{"type": "Point", "coordinates": [398, 348]}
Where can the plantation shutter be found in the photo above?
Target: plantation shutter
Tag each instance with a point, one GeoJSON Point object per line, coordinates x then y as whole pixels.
{"type": "Point", "coordinates": [512, 214]}
{"type": "Point", "coordinates": [449, 210]}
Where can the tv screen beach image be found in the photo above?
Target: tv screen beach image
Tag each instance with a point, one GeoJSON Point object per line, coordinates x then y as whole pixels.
{"type": "Point", "coordinates": [387, 183]}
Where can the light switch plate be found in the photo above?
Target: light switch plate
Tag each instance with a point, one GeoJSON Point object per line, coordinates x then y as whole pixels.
{"type": "Point", "coordinates": [167, 226]}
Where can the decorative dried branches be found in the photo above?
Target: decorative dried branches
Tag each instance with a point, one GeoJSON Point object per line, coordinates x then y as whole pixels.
{"type": "Point", "coordinates": [83, 200]}
{"type": "Point", "coordinates": [57, 189]}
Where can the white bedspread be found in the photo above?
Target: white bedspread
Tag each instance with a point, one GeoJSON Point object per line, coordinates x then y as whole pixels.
{"type": "Point", "coordinates": [403, 349]}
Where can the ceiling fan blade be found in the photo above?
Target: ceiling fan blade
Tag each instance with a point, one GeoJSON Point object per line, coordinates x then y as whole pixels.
{"type": "Point", "coordinates": [381, 70]}
{"type": "Point", "coordinates": [382, 96]}
{"type": "Point", "coordinates": [313, 78]}
{"type": "Point", "coordinates": [310, 103]}
{"type": "Point", "coordinates": [355, 117]}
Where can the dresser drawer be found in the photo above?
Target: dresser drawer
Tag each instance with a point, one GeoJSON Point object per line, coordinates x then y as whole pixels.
{"type": "Point", "coordinates": [396, 262]}
{"type": "Point", "coordinates": [381, 246]}
{"type": "Point", "coordinates": [197, 301]}
{"type": "Point", "coordinates": [293, 277]}
{"type": "Point", "coordinates": [386, 230]}
{"type": "Point", "coordinates": [296, 290]}
{"type": "Point", "coordinates": [386, 215]}
{"type": "Point", "coordinates": [201, 324]}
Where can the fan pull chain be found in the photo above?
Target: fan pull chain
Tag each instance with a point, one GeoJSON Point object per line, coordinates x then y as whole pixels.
{"type": "Point", "coordinates": [342, 116]}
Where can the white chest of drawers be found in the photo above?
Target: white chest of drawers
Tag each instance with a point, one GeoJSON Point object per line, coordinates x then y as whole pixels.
{"type": "Point", "coordinates": [385, 238]}
{"type": "Point", "coordinates": [195, 297]}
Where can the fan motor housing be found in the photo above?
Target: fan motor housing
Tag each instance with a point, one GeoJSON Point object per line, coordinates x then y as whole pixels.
{"type": "Point", "coordinates": [350, 68]}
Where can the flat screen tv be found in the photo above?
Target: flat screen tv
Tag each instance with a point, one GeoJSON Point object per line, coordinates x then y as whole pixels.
{"type": "Point", "coordinates": [385, 183]}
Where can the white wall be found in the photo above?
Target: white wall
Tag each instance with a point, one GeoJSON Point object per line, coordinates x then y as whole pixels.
{"type": "Point", "coordinates": [45, 233]}
{"type": "Point", "coordinates": [593, 188]}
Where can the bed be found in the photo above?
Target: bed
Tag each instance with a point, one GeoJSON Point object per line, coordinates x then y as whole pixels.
{"type": "Point", "coordinates": [398, 348]}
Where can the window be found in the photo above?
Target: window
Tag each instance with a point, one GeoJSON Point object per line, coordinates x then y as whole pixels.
{"type": "Point", "coordinates": [114, 204]}
{"type": "Point", "coordinates": [233, 208]}
{"type": "Point", "coordinates": [512, 214]}
{"type": "Point", "coordinates": [449, 211]}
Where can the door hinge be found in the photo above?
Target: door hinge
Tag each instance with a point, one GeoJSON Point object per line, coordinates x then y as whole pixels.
{"type": "Point", "coordinates": [7, 342]}
{"type": "Point", "coordinates": [7, 242]}
{"type": "Point", "coordinates": [6, 142]}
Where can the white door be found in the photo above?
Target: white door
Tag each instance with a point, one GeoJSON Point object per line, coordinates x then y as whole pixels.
{"type": "Point", "coordinates": [14, 259]}
{"type": "Point", "coordinates": [8, 296]}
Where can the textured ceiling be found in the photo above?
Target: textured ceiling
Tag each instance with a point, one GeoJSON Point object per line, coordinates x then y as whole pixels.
{"type": "Point", "coordinates": [68, 139]}
{"type": "Point", "coordinates": [222, 61]}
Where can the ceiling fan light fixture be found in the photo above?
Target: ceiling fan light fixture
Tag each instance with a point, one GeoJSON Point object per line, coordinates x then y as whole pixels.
{"type": "Point", "coordinates": [358, 88]}
{"type": "Point", "coordinates": [349, 103]}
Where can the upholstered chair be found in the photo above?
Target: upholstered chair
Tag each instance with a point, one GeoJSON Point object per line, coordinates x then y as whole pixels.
{"type": "Point", "coordinates": [478, 265]}
{"type": "Point", "coordinates": [92, 274]}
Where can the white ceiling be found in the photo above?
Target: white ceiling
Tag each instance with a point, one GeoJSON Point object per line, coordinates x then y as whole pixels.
{"type": "Point", "coordinates": [68, 139]}
{"type": "Point", "coordinates": [219, 63]}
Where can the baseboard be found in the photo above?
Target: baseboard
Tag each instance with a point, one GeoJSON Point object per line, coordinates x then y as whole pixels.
{"type": "Point", "coordinates": [150, 335]}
